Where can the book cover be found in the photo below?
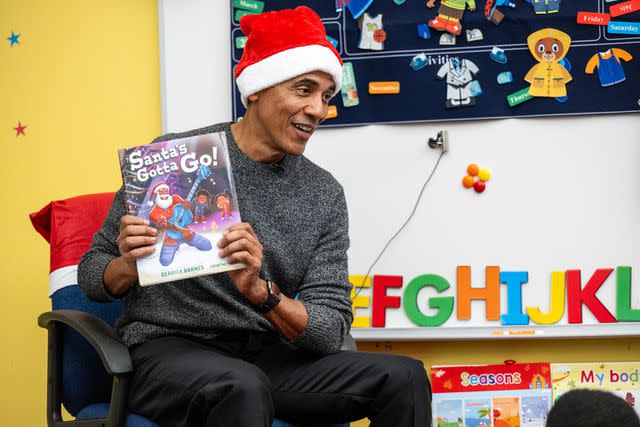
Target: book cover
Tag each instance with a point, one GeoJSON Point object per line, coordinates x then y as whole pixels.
{"type": "Point", "coordinates": [506, 411]}
{"type": "Point", "coordinates": [620, 378]}
{"type": "Point", "coordinates": [477, 413]}
{"type": "Point", "coordinates": [507, 395]}
{"type": "Point", "coordinates": [184, 187]}
{"type": "Point", "coordinates": [448, 413]}
{"type": "Point", "coordinates": [534, 411]}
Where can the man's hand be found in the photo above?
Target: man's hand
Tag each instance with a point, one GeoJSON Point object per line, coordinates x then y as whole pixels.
{"type": "Point", "coordinates": [136, 238]}
{"type": "Point", "coordinates": [430, 3]}
{"type": "Point", "coordinates": [240, 243]}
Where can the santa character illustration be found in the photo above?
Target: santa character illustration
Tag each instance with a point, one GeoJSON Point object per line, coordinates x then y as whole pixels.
{"type": "Point", "coordinates": [171, 213]}
{"type": "Point", "coordinates": [223, 203]}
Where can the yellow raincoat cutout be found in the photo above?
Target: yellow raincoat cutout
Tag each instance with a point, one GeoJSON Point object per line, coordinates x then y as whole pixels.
{"type": "Point", "coordinates": [548, 78]}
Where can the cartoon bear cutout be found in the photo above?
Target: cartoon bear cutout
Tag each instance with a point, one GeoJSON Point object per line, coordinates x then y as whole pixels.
{"type": "Point", "coordinates": [548, 78]}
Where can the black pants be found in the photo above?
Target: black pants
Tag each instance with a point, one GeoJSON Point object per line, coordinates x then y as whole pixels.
{"type": "Point", "coordinates": [246, 379]}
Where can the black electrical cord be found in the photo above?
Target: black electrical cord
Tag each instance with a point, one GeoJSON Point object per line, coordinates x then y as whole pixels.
{"type": "Point", "coordinates": [415, 207]}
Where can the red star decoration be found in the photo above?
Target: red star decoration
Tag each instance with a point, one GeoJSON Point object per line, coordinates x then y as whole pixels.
{"type": "Point", "coordinates": [20, 129]}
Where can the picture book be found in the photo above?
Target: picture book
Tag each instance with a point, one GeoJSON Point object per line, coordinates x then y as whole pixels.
{"type": "Point", "coordinates": [620, 378]}
{"type": "Point", "coordinates": [507, 395]}
{"type": "Point", "coordinates": [184, 187]}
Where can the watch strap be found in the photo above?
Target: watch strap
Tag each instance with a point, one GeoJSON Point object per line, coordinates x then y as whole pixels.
{"type": "Point", "coordinates": [273, 298]}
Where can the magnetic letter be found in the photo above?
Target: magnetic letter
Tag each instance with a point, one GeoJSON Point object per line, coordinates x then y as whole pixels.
{"type": "Point", "coordinates": [380, 299]}
{"type": "Point", "coordinates": [360, 301]}
{"type": "Point", "coordinates": [624, 312]}
{"type": "Point", "coordinates": [444, 305]}
{"type": "Point", "coordinates": [576, 296]}
{"type": "Point", "coordinates": [556, 307]}
{"type": "Point", "coordinates": [514, 281]}
{"type": "Point", "coordinates": [491, 294]}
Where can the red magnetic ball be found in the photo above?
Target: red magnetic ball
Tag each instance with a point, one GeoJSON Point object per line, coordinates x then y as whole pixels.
{"type": "Point", "coordinates": [479, 186]}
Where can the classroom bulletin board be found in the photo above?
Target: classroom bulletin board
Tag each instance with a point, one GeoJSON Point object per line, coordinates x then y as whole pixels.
{"type": "Point", "coordinates": [409, 76]}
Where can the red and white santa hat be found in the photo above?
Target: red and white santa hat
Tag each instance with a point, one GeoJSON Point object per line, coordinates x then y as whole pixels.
{"type": "Point", "coordinates": [282, 45]}
{"type": "Point", "coordinates": [154, 191]}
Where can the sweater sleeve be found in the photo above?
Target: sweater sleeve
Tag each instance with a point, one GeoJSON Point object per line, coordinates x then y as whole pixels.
{"type": "Point", "coordinates": [592, 64]}
{"type": "Point", "coordinates": [622, 54]}
{"type": "Point", "coordinates": [103, 249]}
{"type": "Point", "coordinates": [325, 290]}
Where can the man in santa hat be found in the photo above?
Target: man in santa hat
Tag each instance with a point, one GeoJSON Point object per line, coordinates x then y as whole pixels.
{"type": "Point", "coordinates": [238, 348]}
{"type": "Point", "coordinates": [162, 213]}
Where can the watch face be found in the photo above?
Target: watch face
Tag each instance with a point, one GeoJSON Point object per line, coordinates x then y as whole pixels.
{"type": "Point", "coordinates": [272, 301]}
{"type": "Point", "coordinates": [274, 289]}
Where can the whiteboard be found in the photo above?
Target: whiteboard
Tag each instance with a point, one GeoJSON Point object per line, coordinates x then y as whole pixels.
{"type": "Point", "coordinates": [563, 195]}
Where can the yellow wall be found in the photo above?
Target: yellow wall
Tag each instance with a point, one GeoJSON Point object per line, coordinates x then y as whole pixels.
{"type": "Point", "coordinates": [85, 81]}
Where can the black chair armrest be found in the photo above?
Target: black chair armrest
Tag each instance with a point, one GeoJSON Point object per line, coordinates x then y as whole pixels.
{"type": "Point", "coordinates": [114, 354]}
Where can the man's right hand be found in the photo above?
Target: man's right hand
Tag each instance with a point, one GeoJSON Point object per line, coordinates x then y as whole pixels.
{"type": "Point", "coordinates": [135, 240]}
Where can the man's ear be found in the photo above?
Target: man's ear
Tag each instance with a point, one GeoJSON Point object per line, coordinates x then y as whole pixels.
{"type": "Point", "coordinates": [253, 97]}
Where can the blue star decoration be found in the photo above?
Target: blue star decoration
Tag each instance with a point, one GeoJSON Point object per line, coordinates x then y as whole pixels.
{"type": "Point", "coordinates": [14, 38]}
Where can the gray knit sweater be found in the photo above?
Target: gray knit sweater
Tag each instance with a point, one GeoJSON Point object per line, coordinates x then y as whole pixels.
{"type": "Point", "coordinates": [299, 213]}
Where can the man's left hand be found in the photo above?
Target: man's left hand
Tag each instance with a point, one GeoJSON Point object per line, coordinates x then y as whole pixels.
{"type": "Point", "coordinates": [240, 243]}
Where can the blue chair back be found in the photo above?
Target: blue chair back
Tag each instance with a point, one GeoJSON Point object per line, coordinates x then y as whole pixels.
{"type": "Point", "coordinates": [84, 379]}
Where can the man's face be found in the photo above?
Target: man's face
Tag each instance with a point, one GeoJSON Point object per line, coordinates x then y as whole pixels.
{"type": "Point", "coordinates": [290, 112]}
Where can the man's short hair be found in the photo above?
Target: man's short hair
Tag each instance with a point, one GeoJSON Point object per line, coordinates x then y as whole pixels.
{"type": "Point", "coordinates": [591, 408]}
